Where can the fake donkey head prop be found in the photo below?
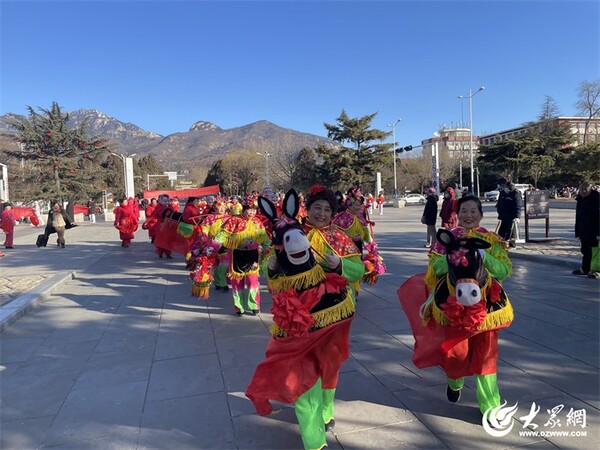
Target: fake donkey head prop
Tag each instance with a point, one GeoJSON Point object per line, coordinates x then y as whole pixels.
{"type": "Point", "coordinates": [465, 265]}
{"type": "Point", "coordinates": [289, 240]}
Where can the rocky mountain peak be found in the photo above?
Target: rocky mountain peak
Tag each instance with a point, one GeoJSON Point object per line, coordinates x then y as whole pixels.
{"type": "Point", "coordinates": [204, 126]}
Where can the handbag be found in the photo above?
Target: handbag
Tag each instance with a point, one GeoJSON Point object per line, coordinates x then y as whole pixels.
{"type": "Point", "coordinates": [423, 221]}
{"type": "Point", "coordinates": [595, 266]}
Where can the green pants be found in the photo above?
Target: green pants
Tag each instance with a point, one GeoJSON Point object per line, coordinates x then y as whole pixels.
{"type": "Point", "coordinates": [488, 394]}
{"type": "Point", "coordinates": [313, 409]}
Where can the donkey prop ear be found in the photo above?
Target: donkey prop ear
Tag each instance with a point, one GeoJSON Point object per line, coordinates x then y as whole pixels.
{"type": "Point", "coordinates": [291, 204]}
{"type": "Point", "coordinates": [267, 208]}
{"type": "Point", "coordinates": [476, 243]}
{"type": "Point", "coordinates": [446, 238]}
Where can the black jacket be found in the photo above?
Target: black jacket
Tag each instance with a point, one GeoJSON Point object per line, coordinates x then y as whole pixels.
{"type": "Point", "coordinates": [431, 208]}
{"type": "Point", "coordinates": [587, 216]}
{"type": "Point", "coordinates": [509, 205]}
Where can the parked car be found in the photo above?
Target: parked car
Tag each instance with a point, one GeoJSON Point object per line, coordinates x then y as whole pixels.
{"type": "Point", "coordinates": [491, 196]}
{"type": "Point", "coordinates": [414, 199]}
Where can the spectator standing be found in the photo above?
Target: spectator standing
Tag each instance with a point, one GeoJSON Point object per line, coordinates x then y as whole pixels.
{"type": "Point", "coordinates": [449, 209]}
{"type": "Point", "coordinates": [7, 223]}
{"type": "Point", "coordinates": [509, 207]}
{"type": "Point", "coordinates": [91, 210]}
{"type": "Point", "coordinates": [587, 226]}
{"type": "Point", "coordinates": [430, 215]}
{"type": "Point", "coordinates": [380, 202]}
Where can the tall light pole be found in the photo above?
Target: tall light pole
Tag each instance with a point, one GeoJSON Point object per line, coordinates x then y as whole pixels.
{"type": "Point", "coordinates": [266, 156]}
{"type": "Point", "coordinates": [470, 97]}
{"type": "Point", "coordinates": [393, 127]}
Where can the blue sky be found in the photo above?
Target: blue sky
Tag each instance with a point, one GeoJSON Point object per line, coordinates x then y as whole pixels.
{"type": "Point", "coordinates": [164, 65]}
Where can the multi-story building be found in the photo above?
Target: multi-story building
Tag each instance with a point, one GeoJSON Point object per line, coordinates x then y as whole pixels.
{"type": "Point", "coordinates": [577, 125]}
{"type": "Point", "coordinates": [452, 142]}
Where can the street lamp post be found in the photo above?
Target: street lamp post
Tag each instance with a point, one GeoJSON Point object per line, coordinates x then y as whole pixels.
{"type": "Point", "coordinates": [393, 127]}
{"type": "Point", "coordinates": [470, 97]}
{"type": "Point", "coordinates": [266, 156]}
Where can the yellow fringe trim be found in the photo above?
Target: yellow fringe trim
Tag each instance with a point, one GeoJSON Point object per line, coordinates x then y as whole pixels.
{"type": "Point", "coordinates": [299, 281]}
{"type": "Point", "coordinates": [354, 230]}
{"type": "Point", "coordinates": [200, 291]}
{"type": "Point", "coordinates": [235, 240]}
{"type": "Point", "coordinates": [239, 275]}
{"type": "Point", "coordinates": [326, 317]}
{"type": "Point", "coordinates": [492, 320]}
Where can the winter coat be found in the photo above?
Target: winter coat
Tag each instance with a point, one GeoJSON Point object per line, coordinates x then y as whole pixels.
{"type": "Point", "coordinates": [587, 216]}
{"type": "Point", "coordinates": [449, 210]}
{"type": "Point", "coordinates": [431, 209]}
{"type": "Point", "coordinates": [510, 205]}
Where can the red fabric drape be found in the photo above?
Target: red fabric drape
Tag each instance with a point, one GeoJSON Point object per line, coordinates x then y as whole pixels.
{"type": "Point", "coordinates": [293, 365]}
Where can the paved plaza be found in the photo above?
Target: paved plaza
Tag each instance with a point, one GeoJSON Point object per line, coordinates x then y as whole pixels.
{"type": "Point", "coordinates": [114, 353]}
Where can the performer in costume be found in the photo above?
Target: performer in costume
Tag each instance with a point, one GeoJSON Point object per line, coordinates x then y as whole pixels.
{"type": "Point", "coordinates": [352, 220]}
{"type": "Point", "coordinates": [451, 329]}
{"type": "Point", "coordinates": [7, 224]}
{"type": "Point", "coordinates": [313, 307]}
{"type": "Point", "coordinates": [126, 221]}
{"type": "Point", "coordinates": [245, 238]}
{"type": "Point", "coordinates": [211, 226]}
{"type": "Point", "coordinates": [155, 221]}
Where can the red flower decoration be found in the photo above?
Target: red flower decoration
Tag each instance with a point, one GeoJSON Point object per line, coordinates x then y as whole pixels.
{"type": "Point", "coordinates": [316, 189]}
{"type": "Point", "coordinates": [465, 317]}
{"type": "Point", "coordinates": [291, 314]}
{"type": "Point", "coordinates": [458, 258]}
{"type": "Point", "coordinates": [494, 291]}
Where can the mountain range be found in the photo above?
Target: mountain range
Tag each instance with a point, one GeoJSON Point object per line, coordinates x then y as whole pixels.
{"type": "Point", "coordinates": [201, 145]}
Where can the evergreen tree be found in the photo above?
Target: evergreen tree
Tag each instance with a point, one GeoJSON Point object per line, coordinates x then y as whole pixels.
{"type": "Point", "coordinates": [62, 159]}
{"type": "Point", "coordinates": [366, 157]}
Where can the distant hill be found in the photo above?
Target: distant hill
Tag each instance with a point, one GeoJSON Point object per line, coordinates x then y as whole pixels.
{"type": "Point", "coordinates": [201, 145]}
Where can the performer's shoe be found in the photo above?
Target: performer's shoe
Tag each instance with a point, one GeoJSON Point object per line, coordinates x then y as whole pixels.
{"type": "Point", "coordinates": [62, 245]}
{"type": "Point", "coordinates": [169, 256]}
{"type": "Point", "coordinates": [330, 425]}
{"type": "Point", "coordinates": [238, 313]}
{"type": "Point", "coordinates": [451, 395]}
{"type": "Point", "coordinates": [254, 312]}
{"type": "Point", "coordinates": [217, 288]}
{"type": "Point", "coordinates": [9, 246]}
{"type": "Point", "coordinates": [160, 255]}
{"type": "Point", "coordinates": [226, 289]}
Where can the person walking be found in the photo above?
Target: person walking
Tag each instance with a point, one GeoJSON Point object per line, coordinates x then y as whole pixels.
{"type": "Point", "coordinates": [429, 216]}
{"type": "Point", "coordinates": [7, 224]}
{"type": "Point", "coordinates": [380, 202]}
{"type": "Point", "coordinates": [126, 221]}
{"type": "Point", "coordinates": [449, 209]}
{"type": "Point", "coordinates": [587, 227]}
{"type": "Point", "coordinates": [509, 207]}
{"type": "Point", "coordinates": [91, 206]}
{"type": "Point", "coordinates": [58, 221]}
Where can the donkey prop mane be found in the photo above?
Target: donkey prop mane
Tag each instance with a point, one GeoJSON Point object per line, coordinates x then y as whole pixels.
{"type": "Point", "coordinates": [303, 293]}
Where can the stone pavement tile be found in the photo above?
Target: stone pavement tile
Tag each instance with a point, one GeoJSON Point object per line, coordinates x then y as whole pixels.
{"type": "Point", "coordinates": [388, 319]}
{"type": "Point", "coordinates": [120, 441]}
{"type": "Point", "coordinates": [59, 357]}
{"type": "Point", "coordinates": [41, 322]}
{"type": "Point", "coordinates": [79, 330]}
{"type": "Point", "coordinates": [89, 414]}
{"type": "Point", "coordinates": [193, 422]}
{"type": "Point", "coordinates": [174, 342]}
{"type": "Point", "coordinates": [538, 330]}
{"type": "Point", "coordinates": [24, 433]}
{"type": "Point", "coordinates": [362, 402]}
{"type": "Point", "coordinates": [567, 374]}
{"type": "Point", "coordinates": [393, 368]}
{"type": "Point", "coordinates": [106, 369]}
{"type": "Point", "coordinates": [236, 381]}
{"type": "Point", "coordinates": [410, 434]}
{"type": "Point", "coordinates": [236, 352]}
{"type": "Point", "coordinates": [183, 377]}
{"type": "Point", "coordinates": [587, 352]}
{"type": "Point", "coordinates": [276, 431]}
{"type": "Point", "coordinates": [18, 349]}
{"type": "Point", "coordinates": [517, 386]}
{"type": "Point", "coordinates": [25, 397]}
{"type": "Point", "coordinates": [564, 316]}
{"type": "Point", "coordinates": [364, 335]}
{"type": "Point", "coordinates": [457, 425]}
